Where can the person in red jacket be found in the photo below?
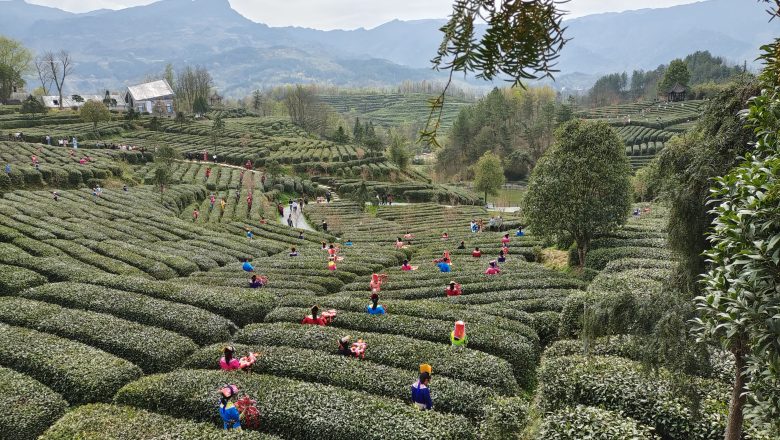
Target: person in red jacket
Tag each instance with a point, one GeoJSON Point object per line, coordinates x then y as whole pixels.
{"type": "Point", "coordinates": [453, 289]}
{"type": "Point", "coordinates": [505, 241]}
{"type": "Point", "coordinates": [493, 269]}
{"type": "Point", "coordinates": [477, 253]}
{"type": "Point", "coordinates": [313, 319]}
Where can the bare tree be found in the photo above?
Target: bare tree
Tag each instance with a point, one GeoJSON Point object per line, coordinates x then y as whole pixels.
{"type": "Point", "coordinates": [60, 67]}
{"type": "Point", "coordinates": [192, 84]}
{"type": "Point", "coordinates": [305, 109]}
{"type": "Point", "coordinates": [44, 73]}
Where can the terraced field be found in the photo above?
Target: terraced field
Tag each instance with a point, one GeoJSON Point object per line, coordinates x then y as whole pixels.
{"type": "Point", "coordinates": [646, 126]}
{"type": "Point", "coordinates": [393, 109]}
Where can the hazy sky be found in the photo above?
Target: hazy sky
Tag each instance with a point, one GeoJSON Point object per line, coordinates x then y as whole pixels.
{"type": "Point", "coordinates": [350, 14]}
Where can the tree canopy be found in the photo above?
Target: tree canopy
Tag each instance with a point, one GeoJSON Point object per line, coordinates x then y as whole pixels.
{"type": "Point", "coordinates": [15, 62]}
{"type": "Point", "coordinates": [580, 188]}
{"type": "Point", "coordinates": [676, 73]}
{"type": "Point", "coordinates": [488, 174]}
{"type": "Point", "coordinates": [94, 112]}
{"type": "Point", "coordinates": [33, 106]}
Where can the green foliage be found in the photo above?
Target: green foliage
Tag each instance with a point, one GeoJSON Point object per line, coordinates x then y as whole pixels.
{"type": "Point", "coordinates": [488, 174]}
{"type": "Point", "coordinates": [340, 136]}
{"type": "Point", "coordinates": [398, 151]}
{"type": "Point", "coordinates": [623, 386]}
{"type": "Point", "coordinates": [15, 60]}
{"type": "Point", "coordinates": [200, 105]}
{"type": "Point", "coordinates": [164, 158]}
{"type": "Point", "coordinates": [676, 73]}
{"type": "Point", "coordinates": [687, 166]}
{"type": "Point", "coordinates": [94, 112]}
{"type": "Point", "coordinates": [739, 306]}
{"type": "Point", "coordinates": [29, 406]}
{"type": "Point", "coordinates": [114, 422]}
{"type": "Point", "coordinates": [587, 422]}
{"type": "Point", "coordinates": [581, 187]}
{"type": "Point", "coordinates": [293, 409]}
{"type": "Point", "coordinates": [14, 279]}
{"type": "Point", "coordinates": [33, 106]}
{"type": "Point", "coordinates": [77, 371]}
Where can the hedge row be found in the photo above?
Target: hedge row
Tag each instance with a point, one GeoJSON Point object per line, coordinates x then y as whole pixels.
{"type": "Point", "coordinates": [29, 407]}
{"type": "Point", "coordinates": [422, 309]}
{"type": "Point", "coordinates": [450, 395]}
{"type": "Point", "coordinates": [599, 258]}
{"type": "Point", "coordinates": [241, 306]}
{"type": "Point", "coordinates": [14, 279]}
{"type": "Point", "coordinates": [292, 409]}
{"type": "Point", "coordinates": [392, 350]}
{"type": "Point", "coordinates": [587, 422]}
{"type": "Point", "coordinates": [201, 326]}
{"type": "Point", "coordinates": [623, 386]}
{"type": "Point", "coordinates": [522, 351]}
{"type": "Point", "coordinates": [112, 422]}
{"type": "Point", "coordinates": [150, 348]}
{"type": "Point", "coordinates": [79, 372]}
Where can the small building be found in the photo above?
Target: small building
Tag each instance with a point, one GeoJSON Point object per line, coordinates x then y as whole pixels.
{"type": "Point", "coordinates": [144, 97]}
{"type": "Point", "coordinates": [677, 93]}
{"type": "Point", "coordinates": [53, 102]}
{"type": "Point", "coordinates": [215, 100]}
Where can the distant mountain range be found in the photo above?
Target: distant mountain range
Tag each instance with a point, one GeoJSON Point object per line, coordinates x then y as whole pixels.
{"type": "Point", "coordinates": [115, 48]}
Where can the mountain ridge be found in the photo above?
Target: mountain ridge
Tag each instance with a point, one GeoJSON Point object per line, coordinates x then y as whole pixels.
{"type": "Point", "coordinates": [117, 47]}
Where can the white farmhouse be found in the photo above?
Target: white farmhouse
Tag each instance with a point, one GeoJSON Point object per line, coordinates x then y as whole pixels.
{"type": "Point", "coordinates": [144, 97]}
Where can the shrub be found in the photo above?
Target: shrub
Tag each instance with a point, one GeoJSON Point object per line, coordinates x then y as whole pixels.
{"type": "Point", "coordinates": [29, 407]}
{"type": "Point", "coordinates": [114, 422]}
{"type": "Point", "coordinates": [202, 326]}
{"type": "Point", "coordinates": [150, 348]}
{"type": "Point", "coordinates": [621, 385]}
{"type": "Point", "coordinates": [587, 422]}
{"type": "Point", "coordinates": [293, 409]}
{"type": "Point", "coordinates": [450, 395]}
{"type": "Point", "coordinates": [77, 371]}
{"type": "Point", "coordinates": [14, 279]}
{"type": "Point", "coordinates": [242, 306]}
{"type": "Point", "coordinates": [506, 418]}
{"type": "Point", "coordinates": [599, 258]}
{"type": "Point", "coordinates": [521, 351]}
{"type": "Point", "coordinates": [392, 350]}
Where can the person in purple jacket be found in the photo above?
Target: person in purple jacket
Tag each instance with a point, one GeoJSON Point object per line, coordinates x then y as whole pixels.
{"type": "Point", "coordinates": [421, 394]}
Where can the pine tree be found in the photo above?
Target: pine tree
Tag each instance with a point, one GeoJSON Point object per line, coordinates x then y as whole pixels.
{"type": "Point", "coordinates": [357, 131]}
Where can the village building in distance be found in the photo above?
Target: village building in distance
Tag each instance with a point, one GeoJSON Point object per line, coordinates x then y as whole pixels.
{"type": "Point", "coordinates": [144, 97]}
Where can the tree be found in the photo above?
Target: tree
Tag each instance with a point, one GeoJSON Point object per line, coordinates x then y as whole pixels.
{"type": "Point", "coordinates": [160, 109]}
{"type": "Point", "coordinates": [164, 158]}
{"type": "Point", "coordinates": [398, 151]}
{"type": "Point", "coordinates": [676, 73]}
{"type": "Point", "coordinates": [15, 62]}
{"type": "Point", "coordinates": [180, 119]}
{"type": "Point", "coordinates": [740, 305]}
{"type": "Point", "coordinates": [200, 106]}
{"type": "Point", "coordinates": [257, 100]}
{"type": "Point", "coordinates": [77, 98]}
{"type": "Point", "coordinates": [94, 112]}
{"type": "Point", "coordinates": [131, 115]}
{"type": "Point", "coordinates": [154, 123]}
{"type": "Point", "coordinates": [489, 174]}
{"type": "Point", "coordinates": [521, 41]}
{"type": "Point", "coordinates": [371, 139]}
{"type": "Point", "coordinates": [357, 131]}
{"type": "Point", "coordinates": [33, 106]}
{"type": "Point", "coordinates": [580, 188]}
{"type": "Point", "coordinates": [304, 108]}
{"type": "Point", "coordinates": [168, 75]}
{"type": "Point", "coordinates": [340, 136]}
{"type": "Point", "coordinates": [193, 84]}
{"type": "Point", "coordinates": [60, 66]}
{"type": "Point", "coordinates": [44, 74]}
{"type": "Point", "coordinates": [688, 164]}
{"type": "Point", "coordinates": [217, 128]}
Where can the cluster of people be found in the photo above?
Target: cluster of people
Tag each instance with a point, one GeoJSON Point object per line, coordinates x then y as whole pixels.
{"type": "Point", "coordinates": [385, 199]}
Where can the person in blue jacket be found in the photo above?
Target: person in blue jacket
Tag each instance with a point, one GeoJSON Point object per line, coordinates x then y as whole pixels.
{"type": "Point", "coordinates": [421, 394]}
{"type": "Point", "coordinates": [231, 418]}
{"type": "Point", "coordinates": [247, 266]}
{"type": "Point", "coordinates": [375, 308]}
{"type": "Point", "coordinates": [520, 232]}
{"type": "Point", "coordinates": [444, 266]}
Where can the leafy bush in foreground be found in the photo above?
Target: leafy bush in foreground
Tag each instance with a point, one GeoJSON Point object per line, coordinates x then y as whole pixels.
{"type": "Point", "coordinates": [29, 407]}
{"type": "Point", "coordinates": [587, 422]}
{"type": "Point", "coordinates": [150, 348]}
{"type": "Point", "coordinates": [114, 422]}
{"type": "Point", "coordinates": [77, 371]}
{"type": "Point", "coordinates": [292, 409]}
